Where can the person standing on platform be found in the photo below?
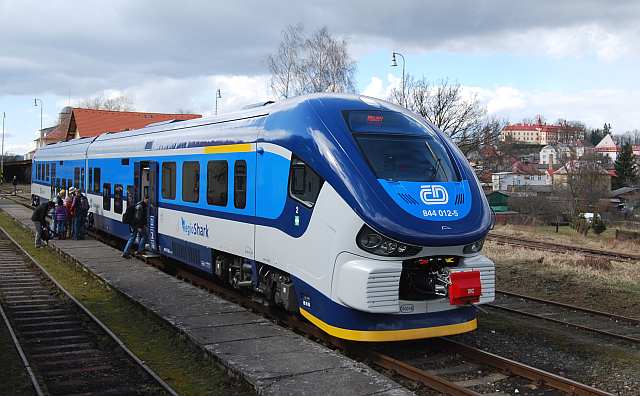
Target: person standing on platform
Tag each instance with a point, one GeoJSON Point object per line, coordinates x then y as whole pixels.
{"type": "Point", "coordinates": [15, 185]}
{"type": "Point", "coordinates": [75, 215]}
{"type": "Point", "coordinates": [60, 220]}
{"type": "Point", "coordinates": [137, 220]}
{"type": "Point", "coordinates": [68, 201]}
{"type": "Point", "coordinates": [39, 218]}
{"type": "Point", "coordinates": [83, 211]}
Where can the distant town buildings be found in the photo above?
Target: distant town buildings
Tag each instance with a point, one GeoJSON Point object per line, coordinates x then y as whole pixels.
{"type": "Point", "coordinates": [541, 133]}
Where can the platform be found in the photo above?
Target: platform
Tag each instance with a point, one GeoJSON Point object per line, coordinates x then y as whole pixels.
{"type": "Point", "coordinates": [274, 360]}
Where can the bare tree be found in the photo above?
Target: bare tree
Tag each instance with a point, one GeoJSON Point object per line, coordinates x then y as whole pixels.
{"type": "Point", "coordinates": [584, 182]}
{"type": "Point", "coordinates": [318, 63]}
{"type": "Point", "coordinates": [100, 102]}
{"type": "Point", "coordinates": [444, 104]}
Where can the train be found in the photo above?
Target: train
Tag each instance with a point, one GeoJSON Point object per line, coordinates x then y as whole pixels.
{"type": "Point", "coordinates": [350, 211]}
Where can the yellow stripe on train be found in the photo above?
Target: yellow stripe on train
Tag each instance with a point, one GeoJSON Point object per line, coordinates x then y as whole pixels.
{"type": "Point", "coordinates": [229, 148]}
{"type": "Point", "coordinates": [391, 335]}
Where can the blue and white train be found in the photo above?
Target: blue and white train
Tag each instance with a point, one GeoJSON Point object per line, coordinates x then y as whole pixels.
{"type": "Point", "coordinates": [352, 211]}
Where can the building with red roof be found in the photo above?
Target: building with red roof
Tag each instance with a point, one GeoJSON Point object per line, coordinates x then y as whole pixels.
{"type": "Point", "coordinates": [77, 122]}
{"type": "Point", "coordinates": [541, 133]}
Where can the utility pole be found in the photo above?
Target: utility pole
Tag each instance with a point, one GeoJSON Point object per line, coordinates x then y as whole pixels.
{"type": "Point", "coordinates": [218, 96]}
{"type": "Point", "coordinates": [4, 115]}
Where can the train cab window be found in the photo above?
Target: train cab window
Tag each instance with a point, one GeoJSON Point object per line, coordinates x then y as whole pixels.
{"type": "Point", "coordinates": [191, 181]}
{"type": "Point", "coordinates": [46, 171]}
{"type": "Point", "coordinates": [96, 180]}
{"type": "Point", "coordinates": [304, 182]}
{"type": "Point", "coordinates": [217, 182]}
{"type": "Point", "coordinates": [117, 198]}
{"type": "Point", "coordinates": [169, 180]}
{"type": "Point", "coordinates": [240, 184]}
{"type": "Point", "coordinates": [106, 196]}
{"type": "Point", "coordinates": [90, 185]}
{"type": "Point", "coordinates": [76, 177]}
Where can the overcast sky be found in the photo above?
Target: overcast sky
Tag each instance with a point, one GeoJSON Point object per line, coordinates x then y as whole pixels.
{"type": "Point", "coordinates": [576, 60]}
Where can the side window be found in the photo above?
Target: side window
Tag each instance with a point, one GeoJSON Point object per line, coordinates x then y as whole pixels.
{"type": "Point", "coordinates": [90, 185]}
{"type": "Point", "coordinates": [76, 177]}
{"type": "Point", "coordinates": [96, 180]}
{"type": "Point", "coordinates": [53, 171]}
{"type": "Point", "coordinates": [169, 180]}
{"type": "Point", "coordinates": [217, 182]}
{"type": "Point", "coordinates": [64, 184]}
{"type": "Point", "coordinates": [190, 181]}
{"type": "Point", "coordinates": [117, 198]}
{"type": "Point", "coordinates": [304, 182]}
{"type": "Point", "coordinates": [69, 183]}
{"type": "Point", "coordinates": [130, 196]}
{"type": "Point", "coordinates": [38, 171]}
{"type": "Point", "coordinates": [106, 196]}
{"type": "Point", "coordinates": [58, 185]}
{"type": "Point", "coordinates": [240, 184]}
{"type": "Point", "coordinates": [47, 170]}
{"type": "Point", "coordinates": [82, 187]}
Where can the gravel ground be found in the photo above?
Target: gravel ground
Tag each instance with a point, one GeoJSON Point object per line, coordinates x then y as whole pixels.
{"type": "Point", "coordinates": [582, 356]}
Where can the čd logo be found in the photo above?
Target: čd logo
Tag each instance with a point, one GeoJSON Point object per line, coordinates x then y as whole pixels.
{"type": "Point", "coordinates": [434, 194]}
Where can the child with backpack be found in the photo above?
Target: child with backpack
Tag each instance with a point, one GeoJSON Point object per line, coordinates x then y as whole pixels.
{"type": "Point", "coordinates": [61, 220]}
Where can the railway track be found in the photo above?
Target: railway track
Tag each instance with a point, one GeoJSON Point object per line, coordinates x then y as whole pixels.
{"type": "Point", "coordinates": [64, 348]}
{"type": "Point", "coordinates": [458, 369]}
{"type": "Point", "coordinates": [560, 248]}
{"type": "Point", "coordinates": [608, 324]}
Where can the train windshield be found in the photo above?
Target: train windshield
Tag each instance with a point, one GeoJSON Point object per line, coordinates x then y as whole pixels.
{"type": "Point", "coordinates": [400, 149]}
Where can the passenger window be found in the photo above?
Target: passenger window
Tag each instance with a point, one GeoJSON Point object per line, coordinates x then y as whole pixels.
{"type": "Point", "coordinates": [82, 179]}
{"type": "Point", "coordinates": [96, 180]}
{"type": "Point", "coordinates": [240, 184]}
{"type": "Point", "coordinates": [76, 177]}
{"type": "Point", "coordinates": [69, 183]}
{"type": "Point", "coordinates": [37, 171]}
{"type": "Point", "coordinates": [130, 196]}
{"type": "Point", "coordinates": [46, 172]}
{"type": "Point", "coordinates": [90, 185]}
{"type": "Point", "coordinates": [117, 198]}
{"type": "Point", "coordinates": [53, 171]}
{"type": "Point", "coordinates": [191, 181]}
{"type": "Point", "coordinates": [64, 184]}
{"type": "Point", "coordinates": [106, 197]}
{"type": "Point", "coordinates": [169, 180]}
{"type": "Point", "coordinates": [304, 182]}
{"type": "Point", "coordinates": [217, 182]}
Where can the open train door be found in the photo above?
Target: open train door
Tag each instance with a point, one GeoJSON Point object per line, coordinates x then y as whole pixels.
{"type": "Point", "coordinates": [152, 219]}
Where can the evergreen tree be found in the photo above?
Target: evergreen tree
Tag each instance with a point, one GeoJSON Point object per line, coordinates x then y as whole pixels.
{"type": "Point", "coordinates": [626, 170]}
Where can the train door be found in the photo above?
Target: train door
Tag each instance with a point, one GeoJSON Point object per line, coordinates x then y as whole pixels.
{"type": "Point", "coordinates": [146, 185]}
{"type": "Point", "coordinates": [152, 191]}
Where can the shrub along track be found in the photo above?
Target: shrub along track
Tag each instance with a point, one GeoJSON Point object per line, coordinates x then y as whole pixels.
{"type": "Point", "coordinates": [444, 365]}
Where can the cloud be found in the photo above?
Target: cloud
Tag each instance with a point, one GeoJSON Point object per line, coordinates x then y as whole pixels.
{"type": "Point", "coordinates": [59, 46]}
{"type": "Point", "coordinates": [594, 107]}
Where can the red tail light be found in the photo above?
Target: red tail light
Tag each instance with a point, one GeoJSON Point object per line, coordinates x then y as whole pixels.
{"type": "Point", "coordinates": [465, 287]}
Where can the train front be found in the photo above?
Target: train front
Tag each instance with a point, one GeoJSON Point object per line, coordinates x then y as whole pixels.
{"type": "Point", "coordinates": [413, 267]}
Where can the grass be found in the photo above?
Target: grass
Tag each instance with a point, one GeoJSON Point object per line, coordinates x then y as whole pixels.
{"type": "Point", "coordinates": [569, 236]}
{"type": "Point", "coordinates": [13, 377]}
{"type": "Point", "coordinates": [184, 366]}
{"type": "Point", "coordinates": [598, 283]}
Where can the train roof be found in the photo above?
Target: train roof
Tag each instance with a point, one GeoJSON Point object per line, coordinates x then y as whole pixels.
{"type": "Point", "coordinates": [236, 127]}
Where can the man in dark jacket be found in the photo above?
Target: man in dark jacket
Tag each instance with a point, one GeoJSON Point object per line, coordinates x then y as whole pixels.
{"type": "Point", "coordinates": [39, 218]}
{"type": "Point", "coordinates": [15, 185]}
{"type": "Point", "coordinates": [138, 228]}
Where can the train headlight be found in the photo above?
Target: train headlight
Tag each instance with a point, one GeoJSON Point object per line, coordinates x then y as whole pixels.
{"type": "Point", "coordinates": [372, 242]}
{"type": "Point", "coordinates": [473, 247]}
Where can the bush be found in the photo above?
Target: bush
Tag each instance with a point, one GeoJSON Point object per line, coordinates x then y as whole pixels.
{"type": "Point", "coordinates": [598, 224]}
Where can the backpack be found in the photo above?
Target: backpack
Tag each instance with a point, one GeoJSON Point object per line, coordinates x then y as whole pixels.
{"type": "Point", "coordinates": [127, 216]}
{"type": "Point", "coordinates": [84, 204]}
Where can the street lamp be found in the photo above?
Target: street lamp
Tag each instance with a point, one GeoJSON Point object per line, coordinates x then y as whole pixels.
{"type": "Point", "coordinates": [35, 103]}
{"type": "Point", "coordinates": [395, 63]}
{"type": "Point", "coordinates": [218, 96]}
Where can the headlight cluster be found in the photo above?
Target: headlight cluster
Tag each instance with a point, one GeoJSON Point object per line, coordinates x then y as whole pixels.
{"type": "Point", "coordinates": [473, 247]}
{"type": "Point", "coordinates": [374, 243]}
